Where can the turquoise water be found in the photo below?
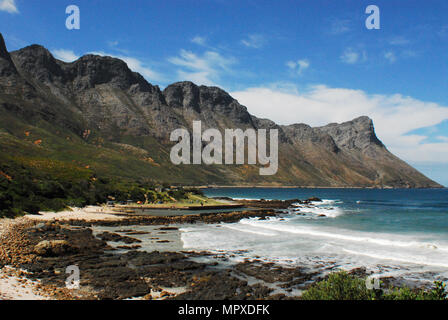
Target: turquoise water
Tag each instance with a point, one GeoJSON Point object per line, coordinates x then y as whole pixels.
{"type": "Point", "coordinates": [391, 232]}
{"type": "Point", "coordinates": [395, 210]}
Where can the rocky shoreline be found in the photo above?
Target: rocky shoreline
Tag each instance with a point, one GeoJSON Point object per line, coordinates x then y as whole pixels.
{"type": "Point", "coordinates": [106, 274]}
{"type": "Point", "coordinates": [227, 217]}
{"type": "Point", "coordinates": [112, 266]}
{"type": "Point", "coordinates": [46, 249]}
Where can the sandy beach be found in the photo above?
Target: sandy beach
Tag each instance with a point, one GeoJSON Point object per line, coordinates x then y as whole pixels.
{"type": "Point", "coordinates": [14, 284]}
{"type": "Point", "coordinates": [89, 213]}
{"type": "Point", "coordinates": [97, 240]}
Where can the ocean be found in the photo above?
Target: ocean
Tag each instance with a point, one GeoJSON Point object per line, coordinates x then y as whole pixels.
{"type": "Point", "coordinates": [394, 232]}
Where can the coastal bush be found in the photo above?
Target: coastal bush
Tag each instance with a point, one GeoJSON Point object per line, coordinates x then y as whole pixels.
{"type": "Point", "coordinates": [343, 286]}
{"type": "Point", "coordinates": [339, 286]}
{"type": "Point", "coordinates": [27, 190]}
{"type": "Point", "coordinates": [438, 292]}
{"type": "Point", "coordinates": [178, 194]}
{"type": "Point", "coordinates": [194, 191]}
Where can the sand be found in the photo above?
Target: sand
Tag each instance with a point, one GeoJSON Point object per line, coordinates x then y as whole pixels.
{"type": "Point", "coordinates": [90, 213]}
{"type": "Point", "coordinates": [14, 286]}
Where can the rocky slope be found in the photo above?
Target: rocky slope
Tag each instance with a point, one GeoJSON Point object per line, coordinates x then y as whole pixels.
{"type": "Point", "coordinates": [97, 114]}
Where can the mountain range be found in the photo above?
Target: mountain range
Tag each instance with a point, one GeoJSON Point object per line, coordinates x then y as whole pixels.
{"type": "Point", "coordinates": [96, 116]}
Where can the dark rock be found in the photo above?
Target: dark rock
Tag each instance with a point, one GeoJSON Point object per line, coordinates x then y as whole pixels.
{"type": "Point", "coordinates": [54, 248]}
{"type": "Point", "coordinates": [7, 67]}
{"type": "Point", "coordinates": [115, 237]}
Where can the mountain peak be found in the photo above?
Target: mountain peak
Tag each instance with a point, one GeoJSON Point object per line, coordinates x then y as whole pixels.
{"type": "Point", "coordinates": [363, 122]}
{"type": "Point", "coordinates": [36, 49]}
{"type": "Point", "coordinates": [86, 72]}
{"type": "Point", "coordinates": [34, 54]}
{"type": "Point", "coordinates": [186, 94]}
{"type": "Point", "coordinates": [7, 67]}
{"type": "Point", "coordinates": [95, 69]}
{"type": "Point", "coordinates": [183, 94]}
{"type": "Point", "coordinates": [212, 102]}
{"type": "Point", "coordinates": [3, 51]}
{"type": "Point", "coordinates": [358, 133]}
{"type": "Point", "coordinates": [362, 119]}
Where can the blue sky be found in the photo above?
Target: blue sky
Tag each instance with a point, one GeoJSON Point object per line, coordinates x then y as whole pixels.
{"type": "Point", "coordinates": [308, 61]}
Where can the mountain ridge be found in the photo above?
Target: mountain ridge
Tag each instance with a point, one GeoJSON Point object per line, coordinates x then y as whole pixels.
{"type": "Point", "coordinates": [99, 103]}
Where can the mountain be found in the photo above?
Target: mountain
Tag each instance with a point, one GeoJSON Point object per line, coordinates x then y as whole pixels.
{"type": "Point", "coordinates": [98, 117]}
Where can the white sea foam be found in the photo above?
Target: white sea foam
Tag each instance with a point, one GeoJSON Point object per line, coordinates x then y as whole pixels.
{"type": "Point", "coordinates": [326, 202]}
{"type": "Point", "coordinates": [250, 230]}
{"type": "Point", "coordinates": [286, 242]}
{"type": "Point", "coordinates": [330, 233]}
{"type": "Point", "coordinates": [320, 208]}
{"type": "Point", "coordinates": [317, 242]}
{"type": "Point", "coordinates": [332, 212]}
{"type": "Point", "coordinates": [413, 259]}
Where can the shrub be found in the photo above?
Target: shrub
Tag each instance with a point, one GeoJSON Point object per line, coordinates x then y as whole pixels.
{"type": "Point", "coordinates": [439, 291]}
{"type": "Point", "coordinates": [343, 286]}
{"type": "Point", "coordinates": [178, 194]}
{"type": "Point", "coordinates": [339, 286]}
{"type": "Point", "coordinates": [195, 191]}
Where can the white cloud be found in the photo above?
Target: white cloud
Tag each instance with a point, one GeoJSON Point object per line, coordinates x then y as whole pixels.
{"type": "Point", "coordinates": [204, 69]}
{"type": "Point", "coordinates": [409, 54]}
{"type": "Point", "coordinates": [65, 55]}
{"type": "Point", "coordinates": [424, 153]}
{"type": "Point", "coordinates": [135, 65]}
{"type": "Point", "coordinates": [390, 56]}
{"type": "Point", "coordinates": [352, 56]}
{"type": "Point", "coordinates": [254, 41]}
{"type": "Point", "coordinates": [340, 26]}
{"type": "Point", "coordinates": [8, 6]}
{"type": "Point", "coordinates": [198, 40]}
{"type": "Point", "coordinates": [394, 116]}
{"type": "Point", "coordinates": [399, 41]}
{"type": "Point", "coordinates": [442, 138]}
{"type": "Point", "coordinates": [299, 66]}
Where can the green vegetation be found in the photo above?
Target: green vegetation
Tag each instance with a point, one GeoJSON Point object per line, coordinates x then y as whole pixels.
{"type": "Point", "coordinates": [44, 167]}
{"type": "Point", "coordinates": [344, 286]}
{"type": "Point", "coordinates": [181, 199]}
{"type": "Point", "coordinates": [339, 286]}
{"type": "Point", "coordinates": [438, 292]}
{"type": "Point", "coordinates": [30, 185]}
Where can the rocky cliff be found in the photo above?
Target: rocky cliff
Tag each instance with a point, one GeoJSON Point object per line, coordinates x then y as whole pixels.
{"type": "Point", "coordinates": [98, 114]}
